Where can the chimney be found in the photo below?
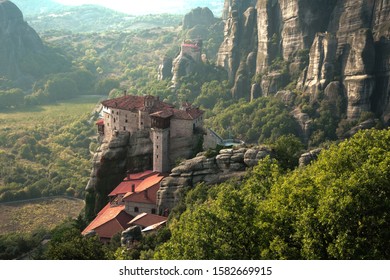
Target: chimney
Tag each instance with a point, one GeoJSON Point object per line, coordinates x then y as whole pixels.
{"type": "Point", "coordinates": [128, 175]}
{"type": "Point", "coordinates": [133, 188]}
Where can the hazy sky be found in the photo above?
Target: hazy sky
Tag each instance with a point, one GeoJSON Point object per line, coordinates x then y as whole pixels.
{"type": "Point", "coordinates": [134, 6]}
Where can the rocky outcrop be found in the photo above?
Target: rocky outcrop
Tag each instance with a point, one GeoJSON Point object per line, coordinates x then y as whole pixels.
{"type": "Point", "coordinates": [17, 40]}
{"type": "Point", "coordinates": [237, 52]}
{"type": "Point", "coordinates": [182, 65]}
{"type": "Point", "coordinates": [165, 69]}
{"type": "Point", "coordinates": [307, 158]}
{"type": "Point", "coordinates": [198, 16]}
{"type": "Point", "coordinates": [320, 41]}
{"type": "Point", "coordinates": [111, 161]}
{"type": "Point", "coordinates": [228, 164]}
{"type": "Point", "coordinates": [320, 71]}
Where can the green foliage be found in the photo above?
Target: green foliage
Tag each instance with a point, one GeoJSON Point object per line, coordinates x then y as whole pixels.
{"type": "Point", "coordinates": [218, 223]}
{"type": "Point", "coordinates": [262, 120]}
{"type": "Point", "coordinates": [288, 149]}
{"type": "Point", "coordinates": [43, 150]}
{"type": "Point", "coordinates": [335, 208]}
{"type": "Point", "coordinates": [49, 62]}
{"type": "Point", "coordinates": [13, 246]}
{"type": "Point", "coordinates": [68, 244]}
{"type": "Point", "coordinates": [11, 98]}
{"type": "Point", "coordinates": [212, 92]}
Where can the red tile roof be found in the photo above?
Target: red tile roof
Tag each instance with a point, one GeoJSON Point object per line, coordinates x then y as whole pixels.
{"type": "Point", "coordinates": [109, 221]}
{"type": "Point", "coordinates": [145, 220]}
{"type": "Point", "coordinates": [159, 108]}
{"type": "Point", "coordinates": [145, 192]}
{"type": "Point", "coordinates": [133, 102]}
{"type": "Point", "coordinates": [142, 175]}
{"type": "Point", "coordinates": [100, 122]}
{"type": "Point", "coordinates": [127, 184]}
{"type": "Point", "coordinates": [188, 114]}
{"type": "Point", "coordinates": [193, 46]}
{"type": "Point", "coordinates": [149, 182]}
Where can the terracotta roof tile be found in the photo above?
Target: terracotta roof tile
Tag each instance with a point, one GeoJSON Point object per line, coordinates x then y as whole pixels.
{"type": "Point", "coordinates": [144, 220]}
{"type": "Point", "coordinates": [159, 109]}
{"type": "Point", "coordinates": [109, 221]}
{"type": "Point", "coordinates": [133, 102]}
{"type": "Point", "coordinates": [135, 179]}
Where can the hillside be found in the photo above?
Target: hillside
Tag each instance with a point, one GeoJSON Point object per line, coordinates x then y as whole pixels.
{"type": "Point", "coordinates": [36, 7]}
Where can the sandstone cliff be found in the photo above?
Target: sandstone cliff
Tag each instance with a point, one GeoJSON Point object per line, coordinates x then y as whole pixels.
{"type": "Point", "coordinates": [228, 164]}
{"type": "Point", "coordinates": [111, 162]}
{"type": "Point", "coordinates": [311, 43]}
{"type": "Point", "coordinates": [17, 40]}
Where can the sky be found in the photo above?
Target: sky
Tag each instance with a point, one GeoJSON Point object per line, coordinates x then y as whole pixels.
{"type": "Point", "coordinates": [136, 6]}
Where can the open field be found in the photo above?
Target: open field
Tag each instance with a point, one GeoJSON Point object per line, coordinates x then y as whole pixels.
{"type": "Point", "coordinates": [57, 114]}
{"type": "Point", "coordinates": [25, 217]}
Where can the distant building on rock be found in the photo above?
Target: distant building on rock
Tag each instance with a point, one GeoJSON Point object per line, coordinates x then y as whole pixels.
{"type": "Point", "coordinates": [192, 48]}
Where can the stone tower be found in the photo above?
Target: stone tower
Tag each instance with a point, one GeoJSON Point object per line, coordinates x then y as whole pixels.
{"type": "Point", "coordinates": [160, 135]}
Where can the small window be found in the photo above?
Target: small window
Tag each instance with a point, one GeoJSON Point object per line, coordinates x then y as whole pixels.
{"type": "Point", "coordinates": [114, 120]}
{"type": "Point", "coordinates": [156, 156]}
{"type": "Point", "coordinates": [136, 210]}
{"type": "Point", "coordinates": [153, 211]}
{"type": "Point", "coordinates": [157, 146]}
{"type": "Point", "coordinates": [125, 121]}
{"type": "Point", "coordinates": [117, 113]}
{"type": "Point", "coordinates": [124, 128]}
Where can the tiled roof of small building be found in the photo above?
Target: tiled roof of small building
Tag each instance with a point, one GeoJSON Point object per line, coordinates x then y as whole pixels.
{"type": "Point", "coordinates": [139, 195]}
{"type": "Point", "coordinates": [109, 221]}
{"type": "Point", "coordinates": [133, 179]}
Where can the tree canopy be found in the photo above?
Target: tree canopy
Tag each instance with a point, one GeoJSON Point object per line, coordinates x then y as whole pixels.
{"type": "Point", "coordinates": [335, 208]}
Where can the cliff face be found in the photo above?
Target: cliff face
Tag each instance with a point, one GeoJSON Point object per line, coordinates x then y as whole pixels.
{"type": "Point", "coordinates": [347, 41]}
{"type": "Point", "coordinates": [111, 161]}
{"type": "Point", "coordinates": [226, 165]}
{"type": "Point", "coordinates": [17, 39]}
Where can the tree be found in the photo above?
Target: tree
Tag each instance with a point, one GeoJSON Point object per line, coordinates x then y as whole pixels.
{"type": "Point", "coordinates": [221, 226]}
{"type": "Point", "coordinates": [68, 244]}
{"type": "Point", "coordinates": [59, 88]}
{"type": "Point", "coordinates": [288, 149]}
{"type": "Point", "coordinates": [335, 208]}
{"type": "Point", "coordinates": [103, 87]}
